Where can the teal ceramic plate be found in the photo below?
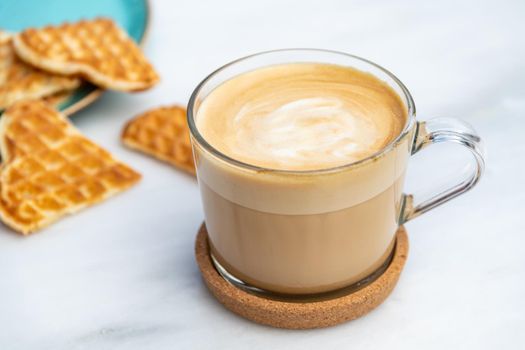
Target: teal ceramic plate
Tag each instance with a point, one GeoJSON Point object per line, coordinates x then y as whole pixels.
{"type": "Point", "coordinates": [132, 15]}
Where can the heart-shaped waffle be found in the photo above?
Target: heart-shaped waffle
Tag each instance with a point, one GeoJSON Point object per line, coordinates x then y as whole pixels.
{"type": "Point", "coordinates": [97, 49]}
{"type": "Point", "coordinates": [163, 133]}
{"type": "Point", "coordinates": [20, 81]}
{"type": "Point", "coordinates": [50, 169]}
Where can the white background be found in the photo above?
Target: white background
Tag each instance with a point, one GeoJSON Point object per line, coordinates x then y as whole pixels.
{"type": "Point", "coordinates": [122, 275]}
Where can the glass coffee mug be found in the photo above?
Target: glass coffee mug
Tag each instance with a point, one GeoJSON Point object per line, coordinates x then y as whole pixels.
{"type": "Point", "coordinates": [303, 233]}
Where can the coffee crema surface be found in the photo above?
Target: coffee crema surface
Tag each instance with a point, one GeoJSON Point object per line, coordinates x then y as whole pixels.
{"type": "Point", "coordinates": [301, 116]}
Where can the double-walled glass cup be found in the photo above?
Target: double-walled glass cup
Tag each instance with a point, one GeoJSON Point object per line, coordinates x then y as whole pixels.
{"type": "Point", "coordinates": [302, 233]}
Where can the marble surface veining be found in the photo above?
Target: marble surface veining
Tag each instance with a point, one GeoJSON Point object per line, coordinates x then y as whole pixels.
{"type": "Point", "coordinates": [122, 275]}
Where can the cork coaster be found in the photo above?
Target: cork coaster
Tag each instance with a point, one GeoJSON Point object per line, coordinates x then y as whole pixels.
{"type": "Point", "coordinates": [301, 315]}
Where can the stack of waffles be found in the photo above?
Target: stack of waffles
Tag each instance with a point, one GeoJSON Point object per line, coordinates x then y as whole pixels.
{"type": "Point", "coordinates": [49, 169]}
{"type": "Point", "coordinates": [20, 81]}
{"type": "Point", "coordinates": [39, 63]}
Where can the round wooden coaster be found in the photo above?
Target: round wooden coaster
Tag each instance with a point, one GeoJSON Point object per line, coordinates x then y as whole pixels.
{"type": "Point", "coordinates": [300, 315]}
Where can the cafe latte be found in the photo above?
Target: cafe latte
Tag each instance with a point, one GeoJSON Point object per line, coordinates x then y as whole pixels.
{"type": "Point", "coordinates": [287, 223]}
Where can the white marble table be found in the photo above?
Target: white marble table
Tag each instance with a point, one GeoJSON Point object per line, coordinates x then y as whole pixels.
{"type": "Point", "coordinates": [122, 275]}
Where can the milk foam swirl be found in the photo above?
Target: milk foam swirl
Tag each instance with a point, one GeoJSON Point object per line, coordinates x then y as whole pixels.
{"type": "Point", "coordinates": [303, 129]}
{"type": "Point", "coordinates": [301, 116]}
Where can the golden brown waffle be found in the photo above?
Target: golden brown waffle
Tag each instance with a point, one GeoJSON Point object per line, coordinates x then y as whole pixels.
{"type": "Point", "coordinates": [97, 49]}
{"type": "Point", "coordinates": [49, 169]}
{"type": "Point", "coordinates": [20, 81]}
{"type": "Point", "coordinates": [163, 133]}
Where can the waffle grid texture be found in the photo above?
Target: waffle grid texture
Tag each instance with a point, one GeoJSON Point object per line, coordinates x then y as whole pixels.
{"type": "Point", "coordinates": [50, 169]}
{"type": "Point", "coordinates": [162, 133]}
{"type": "Point", "coordinates": [97, 49]}
{"type": "Point", "coordinates": [20, 81]}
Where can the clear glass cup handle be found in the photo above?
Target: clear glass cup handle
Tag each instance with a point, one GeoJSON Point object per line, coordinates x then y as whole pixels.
{"type": "Point", "coordinates": [445, 130]}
